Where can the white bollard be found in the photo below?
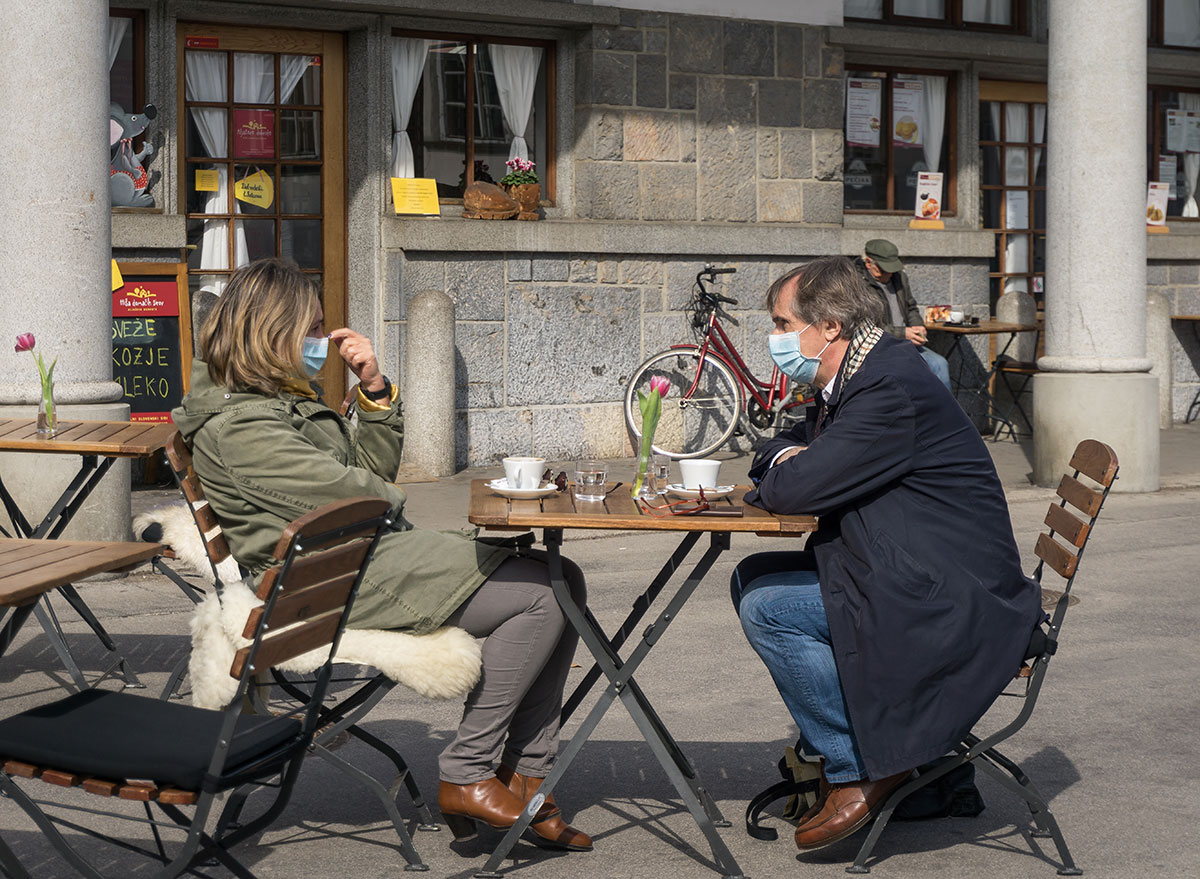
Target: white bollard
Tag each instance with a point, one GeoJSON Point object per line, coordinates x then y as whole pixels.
{"type": "Point", "coordinates": [429, 384]}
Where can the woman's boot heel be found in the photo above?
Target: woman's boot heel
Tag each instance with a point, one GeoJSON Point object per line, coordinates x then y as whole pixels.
{"type": "Point", "coordinates": [461, 826]}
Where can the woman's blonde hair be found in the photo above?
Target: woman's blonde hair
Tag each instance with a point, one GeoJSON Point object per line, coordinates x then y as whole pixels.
{"type": "Point", "coordinates": [252, 338]}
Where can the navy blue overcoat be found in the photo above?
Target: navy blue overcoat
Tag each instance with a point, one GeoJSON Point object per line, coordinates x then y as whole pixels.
{"type": "Point", "coordinates": [928, 608]}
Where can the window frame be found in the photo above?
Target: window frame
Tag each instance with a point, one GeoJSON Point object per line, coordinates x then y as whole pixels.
{"type": "Point", "coordinates": [139, 55]}
{"type": "Point", "coordinates": [1155, 137]}
{"type": "Point", "coordinates": [1158, 22]}
{"type": "Point", "coordinates": [546, 174]}
{"type": "Point", "coordinates": [954, 19]}
{"type": "Point", "coordinates": [950, 187]}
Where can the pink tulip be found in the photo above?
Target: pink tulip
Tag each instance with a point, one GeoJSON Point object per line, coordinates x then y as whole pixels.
{"type": "Point", "coordinates": [660, 383]}
{"type": "Point", "coordinates": [25, 342]}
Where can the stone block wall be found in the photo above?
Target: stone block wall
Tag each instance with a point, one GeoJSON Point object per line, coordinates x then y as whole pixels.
{"type": "Point", "coordinates": [1179, 283]}
{"type": "Point", "coordinates": [546, 342]}
{"type": "Point", "coordinates": [692, 118]}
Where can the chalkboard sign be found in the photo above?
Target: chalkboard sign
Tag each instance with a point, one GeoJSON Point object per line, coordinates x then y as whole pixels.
{"type": "Point", "coordinates": [151, 339]}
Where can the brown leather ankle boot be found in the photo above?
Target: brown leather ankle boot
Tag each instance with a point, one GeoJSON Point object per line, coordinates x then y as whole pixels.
{"type": "Point", "coordinates": [488, 801]}
{"type": "Point", "coordinates": [549, 830]}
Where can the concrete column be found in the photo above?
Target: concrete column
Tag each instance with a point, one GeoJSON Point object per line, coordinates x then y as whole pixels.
{"type": "Point", "coordinates": [429, 383]}
{"type": "Point", "coordinates": [1095, 379]}
{"type": "Point", "coordinates": [1158, 348]}
{"type": "Point", "coordinates": [55, 243]}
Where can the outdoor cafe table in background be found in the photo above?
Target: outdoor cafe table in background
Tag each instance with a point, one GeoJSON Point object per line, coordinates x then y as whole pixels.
{"type": "Point", "coordinates": [619, 512]}
{"type": "Point", "coordinates": [98, 444]}
{"type": "Point", "coordinates": [1194, 320]}
{"type": "Point", "coordinates": [30, 568]}
{"type": "Point", "coordinates": [987, 327]}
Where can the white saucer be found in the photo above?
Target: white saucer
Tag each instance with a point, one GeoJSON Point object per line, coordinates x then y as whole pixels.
{"type": "Point", "coordinates": [719, 491]}
{"type": "Point", "coordinates": [500, 486]}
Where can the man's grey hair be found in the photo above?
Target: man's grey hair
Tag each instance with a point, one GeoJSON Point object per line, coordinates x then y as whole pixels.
{"type": "Point", "coordinates": [829, 288]}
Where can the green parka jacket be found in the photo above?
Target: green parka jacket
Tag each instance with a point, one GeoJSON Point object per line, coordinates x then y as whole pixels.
{"type": "Point", "coordinates": [264, 461]}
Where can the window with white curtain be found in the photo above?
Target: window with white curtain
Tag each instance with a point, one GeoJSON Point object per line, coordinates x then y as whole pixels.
{"type": "Point", "coordinates": [1174, 148]}
{"type": "Point", "coordinates": [897, 123]}
{"type": "Point", "coordinates": [965, 14]}
{"type": "Point", "coordinates": [463, 106]}
{"type": "Point", "coordinates": [1175, 23]}
{"type": "Point", "coordinates": [126, 57]}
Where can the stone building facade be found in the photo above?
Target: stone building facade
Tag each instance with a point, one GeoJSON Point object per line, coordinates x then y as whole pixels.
{"type": "Point", "coordinates": [679, 140]}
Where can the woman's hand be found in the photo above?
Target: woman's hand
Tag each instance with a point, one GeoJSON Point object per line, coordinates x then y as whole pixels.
{"type": "Point", "coordinates": [357, 351]}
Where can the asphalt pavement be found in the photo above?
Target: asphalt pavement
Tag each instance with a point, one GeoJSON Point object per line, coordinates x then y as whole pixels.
{"type": "Point", "coordinates": [1113, 743]}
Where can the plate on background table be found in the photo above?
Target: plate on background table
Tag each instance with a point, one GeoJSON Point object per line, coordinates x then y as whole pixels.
{"type": "Point", "coordinates": [500, 486]}
{"type": "Point", "coordinates": [709, 493]}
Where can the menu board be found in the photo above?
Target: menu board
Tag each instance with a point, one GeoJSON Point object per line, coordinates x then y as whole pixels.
{"type": "Point", "coordinates": [151, 339]}
{"type": "Point", "coordinates": [1183, 131]}
{"type": "Point", "coordinates": [863, 106]}
{"type": "Point", "coordinates": [1156, 204]}
{"type": "Point", "coordinates": [908, 103]}
{"type": "Point", "coordinates": [929, 195]}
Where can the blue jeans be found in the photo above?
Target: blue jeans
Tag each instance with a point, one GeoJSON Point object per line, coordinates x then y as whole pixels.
{"type": "Point", "coordinates": [784, 619]}
{"type": "Point", "coordinates": [938, 364]}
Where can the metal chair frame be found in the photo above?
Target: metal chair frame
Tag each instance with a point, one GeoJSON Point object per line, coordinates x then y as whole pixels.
{"type": "Point", "coordinates": [1098, 462]}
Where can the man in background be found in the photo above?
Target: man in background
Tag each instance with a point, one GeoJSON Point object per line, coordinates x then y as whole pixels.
{"type": "Point", "coordinates": [883, 272]}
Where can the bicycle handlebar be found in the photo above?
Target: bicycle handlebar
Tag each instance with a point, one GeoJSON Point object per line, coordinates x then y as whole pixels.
{"type": "Point", "coordinates": [710, 272]}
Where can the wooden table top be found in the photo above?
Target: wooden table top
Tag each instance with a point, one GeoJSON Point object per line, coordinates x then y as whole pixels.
{"type": "Point", "coordinates": [619, 512]}
{"type": "Point", "coordinates": [29, 567]}
{"type": "Point", "coordinates": [1185, 317]}
{"type": "Point", "coordinates": [113, 439]}
{"type": "Point", "coordinates": [984, 327]}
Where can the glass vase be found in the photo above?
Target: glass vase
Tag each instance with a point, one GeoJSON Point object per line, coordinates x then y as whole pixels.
{"type": "Point", "coordinates": [645, 485]}
{"type": "Point", "coordinates": [47, 414]}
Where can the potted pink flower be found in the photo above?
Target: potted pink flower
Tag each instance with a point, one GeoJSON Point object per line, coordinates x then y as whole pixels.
{"type": "Point", "coordinates": [521, 182]}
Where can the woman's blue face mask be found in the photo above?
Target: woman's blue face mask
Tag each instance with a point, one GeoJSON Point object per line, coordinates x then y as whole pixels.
{"type": "Point", "coordinates": [314, 352]}
{"type": "Point", "coordinates": [785, 351]}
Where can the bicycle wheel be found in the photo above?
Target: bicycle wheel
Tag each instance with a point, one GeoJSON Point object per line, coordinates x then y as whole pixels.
{"type": "Point", "coordinates": [692, 427]}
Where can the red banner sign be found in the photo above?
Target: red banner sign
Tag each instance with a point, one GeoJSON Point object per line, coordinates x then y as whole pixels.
{"type": "Point", "coordinates": [254, 134]}
{"type": "Point", "coordinates": [201, 43]}
{"type": "Point", "coordinates": [137, 298]}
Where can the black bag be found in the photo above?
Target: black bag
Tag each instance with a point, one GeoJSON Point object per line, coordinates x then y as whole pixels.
{"type": "Point", "coordinates": [954, 795]}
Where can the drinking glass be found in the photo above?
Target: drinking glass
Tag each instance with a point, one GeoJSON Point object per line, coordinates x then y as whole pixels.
{"type": "Point", "coordinates": [590, 477]}
{"type": "Point", "coordinates": [660, 467]}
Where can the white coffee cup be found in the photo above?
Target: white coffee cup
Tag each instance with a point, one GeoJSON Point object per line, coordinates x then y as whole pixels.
{"type": "Point", "coordinates": [699, 472]}
{"type": "Point", "coordinates": [524, 473]}
{"type": "Point", "coordinates": [955, 317]}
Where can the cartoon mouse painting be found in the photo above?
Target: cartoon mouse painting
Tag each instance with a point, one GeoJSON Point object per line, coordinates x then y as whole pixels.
{"type": "Point", "coordinates": [128, 179]}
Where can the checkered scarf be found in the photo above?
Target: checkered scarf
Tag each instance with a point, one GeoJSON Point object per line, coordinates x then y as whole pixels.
{"type": "Point", "coordinates": [866, 336]}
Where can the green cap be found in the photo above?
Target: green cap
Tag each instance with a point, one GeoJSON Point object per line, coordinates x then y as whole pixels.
{"type": "Point", "coordinates": [885, 254]}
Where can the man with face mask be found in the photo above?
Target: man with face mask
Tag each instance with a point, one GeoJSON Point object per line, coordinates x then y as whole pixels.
{"type": "Point", "coordinates": [890, 635]}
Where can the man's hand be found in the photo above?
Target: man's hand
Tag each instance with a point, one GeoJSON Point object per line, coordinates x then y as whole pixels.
{"type": "Point", "coordinates": [916, 335]}
{"type": "Point", "coordinates": [359, 355]}
{"type": "Point", "coordinates": [787, 453]}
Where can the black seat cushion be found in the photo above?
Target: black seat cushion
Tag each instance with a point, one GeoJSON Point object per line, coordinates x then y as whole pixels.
{"type": "Point", "coordinates": [118, 736]}
{"type": "Point", "coordinates": [1038, 641]}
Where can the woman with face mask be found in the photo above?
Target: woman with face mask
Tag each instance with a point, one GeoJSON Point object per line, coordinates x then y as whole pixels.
{"type": "Point", "coordinates": [267, 450]}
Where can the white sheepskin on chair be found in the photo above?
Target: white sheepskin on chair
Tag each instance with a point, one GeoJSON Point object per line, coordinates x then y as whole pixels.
{"type": "Point", "coordinates": [444, 664]}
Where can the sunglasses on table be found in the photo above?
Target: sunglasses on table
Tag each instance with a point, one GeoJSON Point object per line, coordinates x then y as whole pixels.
{"type": "Point", "coordinates": [560, 481]}
{"type": "Point", "coordinates": [687, 507]}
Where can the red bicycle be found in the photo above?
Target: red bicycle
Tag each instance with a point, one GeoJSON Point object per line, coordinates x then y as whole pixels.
{"type": "Point", "coordinates": [712, 388]}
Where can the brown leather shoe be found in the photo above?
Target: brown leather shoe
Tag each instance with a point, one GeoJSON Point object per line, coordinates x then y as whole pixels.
{"type": "Point", "coordinates": [848, 807]}
{"type": "Point", "coordinates": [550, 830]}
{"type": "Point", "coordinates": [488, 801]}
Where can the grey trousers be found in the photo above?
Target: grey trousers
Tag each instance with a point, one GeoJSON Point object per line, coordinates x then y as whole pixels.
{"type": "Point", "coordinates": [527, 652]}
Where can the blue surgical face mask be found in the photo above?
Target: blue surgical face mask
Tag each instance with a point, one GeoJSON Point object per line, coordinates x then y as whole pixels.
{"type": "Point", "coordinates": [314, 352]}
{"type": "Point", "coordinates": [785, 351]}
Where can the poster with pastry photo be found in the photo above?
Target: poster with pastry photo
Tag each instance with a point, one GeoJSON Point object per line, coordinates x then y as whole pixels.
{"type": "Point", "coordinates": [1156, 203]}
{"type": "Point", "coordinates": [908, 106]}
{"type": "Point", "coordinates": [929, 195]}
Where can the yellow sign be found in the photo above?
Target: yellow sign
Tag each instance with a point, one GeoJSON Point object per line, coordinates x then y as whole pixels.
{"type": "Point", "coordinates": [208, 180]}
{"type": "Point", "coordinates": [258, 189]}
{"type": "Point", "coordinates": [415, 195]}
{"type": "Point", "coordinates": [117, 281]}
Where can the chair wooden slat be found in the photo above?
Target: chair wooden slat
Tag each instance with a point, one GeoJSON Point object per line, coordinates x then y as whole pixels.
{"type": "Point", "coordinates": [100, 787]}
{"type": "Point", "coordinates": [173, 796]}
{"type": "Point", "coordinates": [21, 770]}
{"type": "Point", "coordinates": [217, 548]}
{"type": "Point", "coordinates": [61, 778]}
{"type": "Point", "coordinates": [1063, 522]}
{"type": "Point", "coordinates": [1079, 496]}
{"type": "Point", "coordinates": [142, 793]}
{"type": "Point", "coordinates": [205, 517]}
{"type": "Point", "coordinates": [287, 644]}
{"type": "Point", "coordinates": [1096, 460]}
{"type": "Point", "coordinates": [310, 570]}
{"type": "Point", "coordinates": [1058, 558]}
{"type": "Point", "coordinates": [339, 514]}
{"type": "Point", "coordinates": [307, 604]}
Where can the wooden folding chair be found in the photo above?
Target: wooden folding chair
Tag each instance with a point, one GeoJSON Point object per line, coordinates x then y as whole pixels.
{"type": "Point", "coordinates": [346, 710]}
{"type": "Point", "coordinates": [177, 758]}
{"type": "Point", "coordinates": [1098, 463]}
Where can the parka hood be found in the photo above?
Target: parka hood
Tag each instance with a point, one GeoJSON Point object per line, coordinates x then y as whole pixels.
{"type": "Point", "coordinates": [204, 400]}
